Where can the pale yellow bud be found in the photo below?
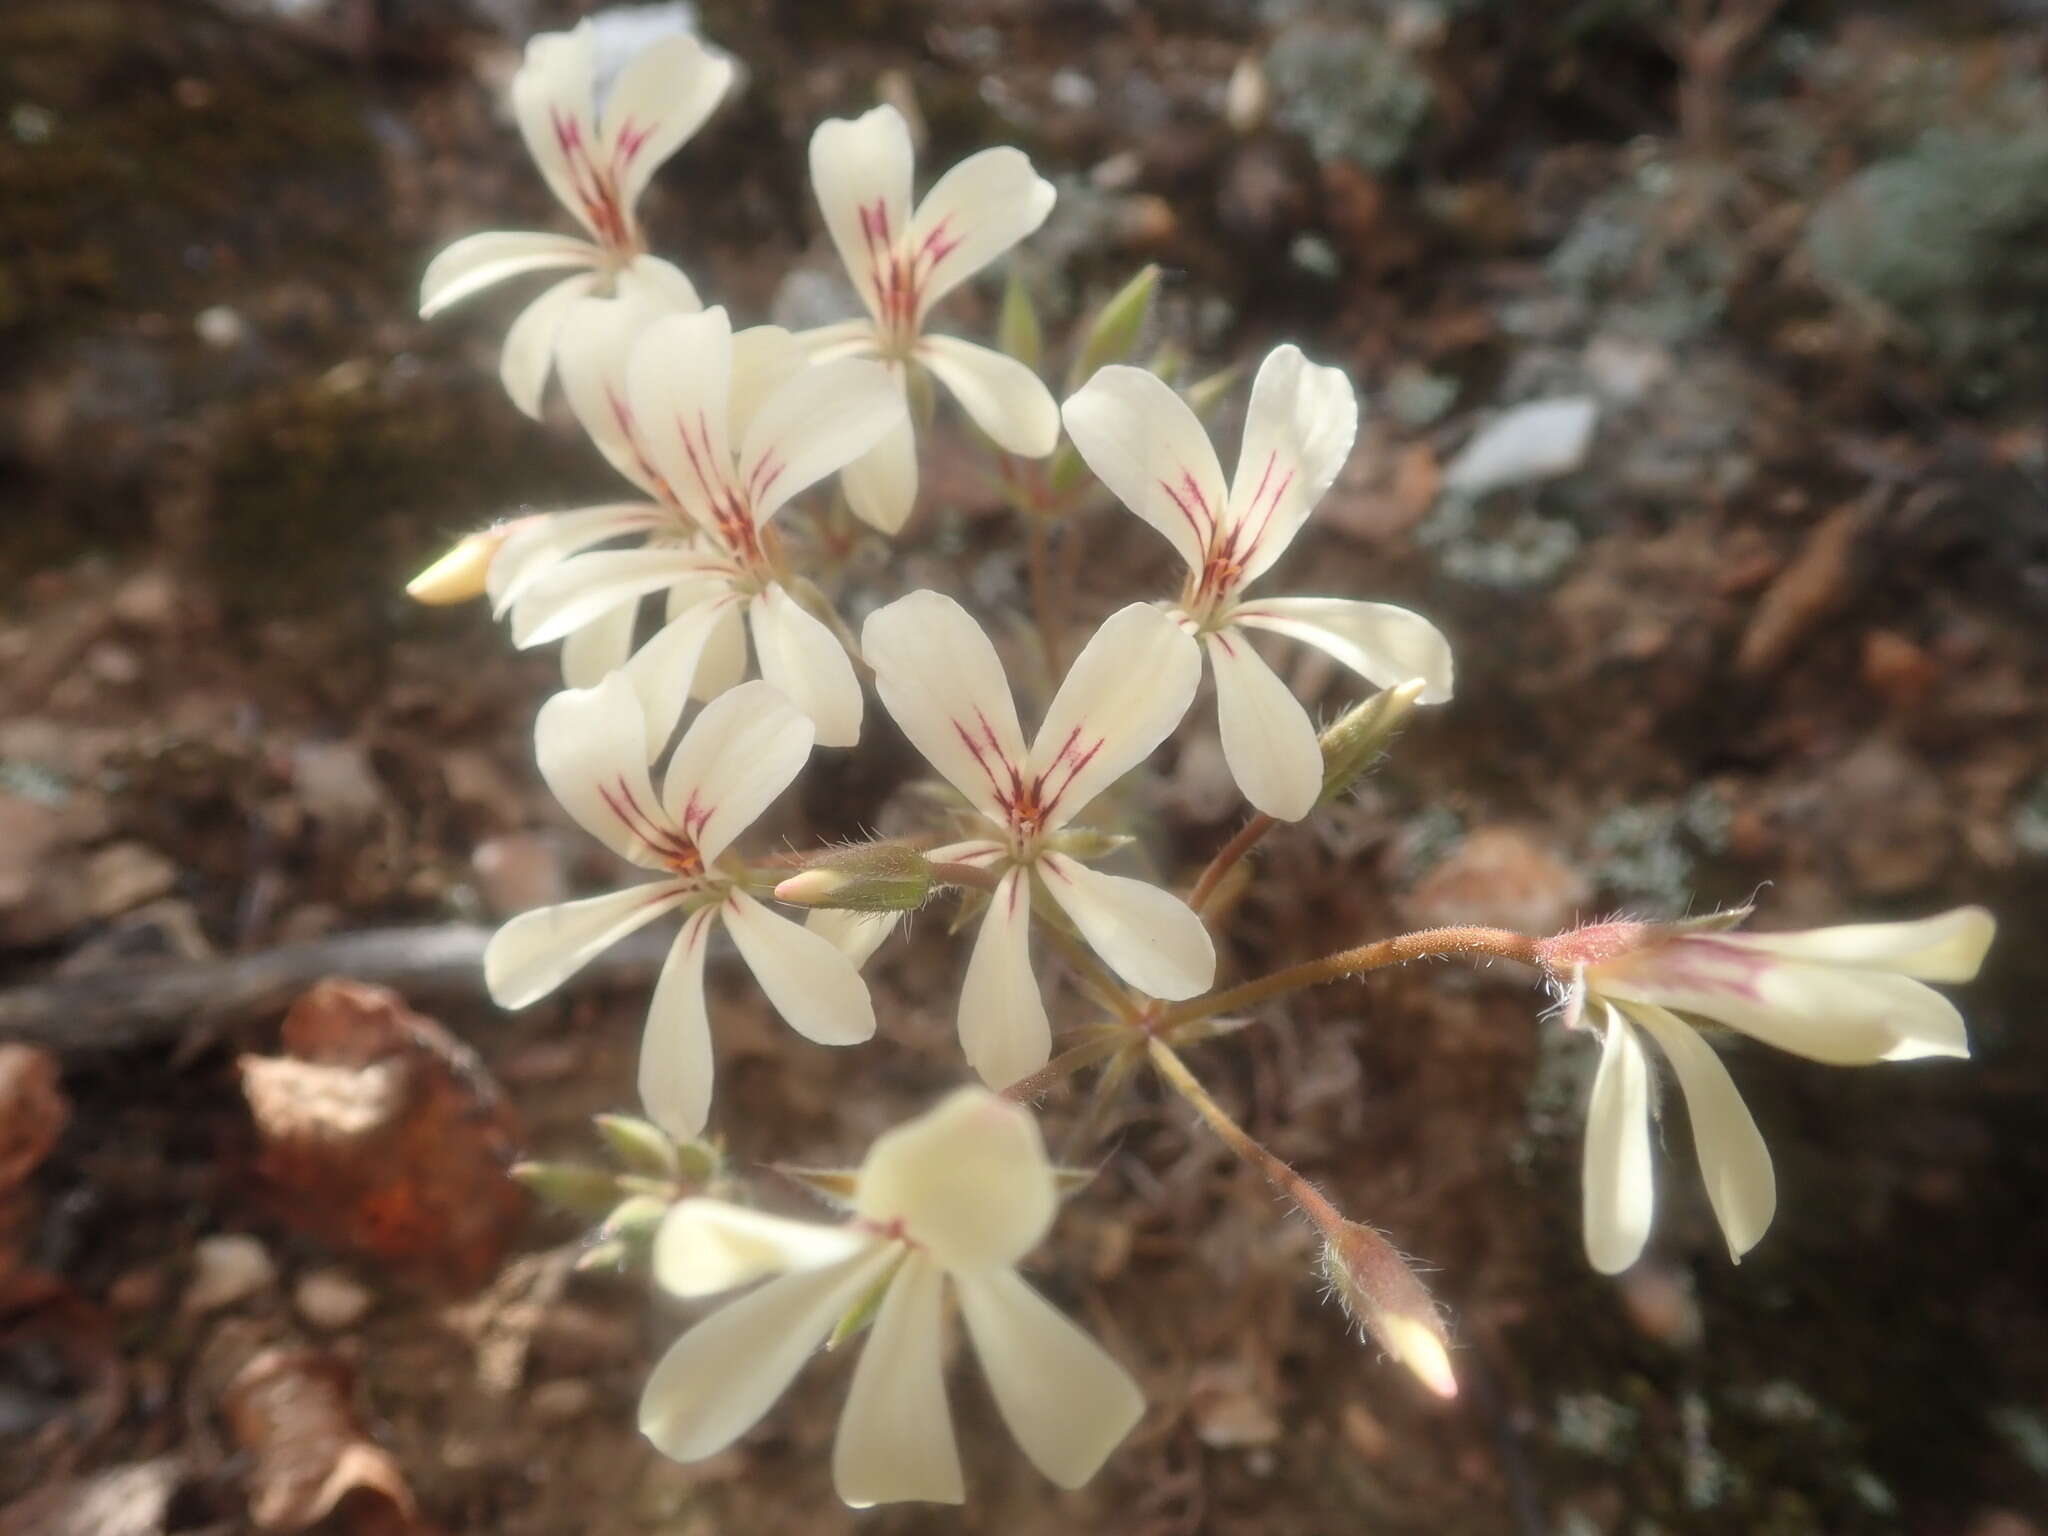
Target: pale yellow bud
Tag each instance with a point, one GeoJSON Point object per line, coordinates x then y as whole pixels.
{"type": "Point", "coordinates": [1380, 1290]}
{"type": "Point", "coordinates": [459, 575]}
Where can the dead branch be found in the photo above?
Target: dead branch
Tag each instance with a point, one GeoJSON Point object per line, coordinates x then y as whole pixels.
{"type": "Point", "coordinates": [146, 1004]}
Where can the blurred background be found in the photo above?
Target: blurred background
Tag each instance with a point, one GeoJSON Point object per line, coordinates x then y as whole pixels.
{"type": "Point", "coordinates": [1758, 610]}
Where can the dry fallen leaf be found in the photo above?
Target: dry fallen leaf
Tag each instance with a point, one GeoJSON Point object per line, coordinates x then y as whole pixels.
{"type": "Point", "coordinates": [289, 1410]}
{"type": "Point", "coordinates": [384, 1135]}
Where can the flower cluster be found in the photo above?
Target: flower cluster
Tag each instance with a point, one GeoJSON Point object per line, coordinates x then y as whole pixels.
{"type": "Point", "coordinates": [705, 657]}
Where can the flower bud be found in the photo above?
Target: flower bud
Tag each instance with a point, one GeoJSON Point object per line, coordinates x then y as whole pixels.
{"type": "Point", "coordinates": [573, 1187]}
{"type": "Point", "coordinates": [1205, 394]}
{"type": "Point", "coordinates": [868, 877]}
{"type": "Point", "coordinates": [1115, 329]}
{"type": "Point", "coordinates": [459, 575]}
{"type": "Point", "coordinates": [643, 1148]}
{"type": "Point", "coordinates": [634, 1218]}
{"type": "Point", "coordinates": [1379, 1290]}
{"type": "Point", "coordinates": [1018, 333]}
{"type": "Point", "coordinates": [1361, 733]}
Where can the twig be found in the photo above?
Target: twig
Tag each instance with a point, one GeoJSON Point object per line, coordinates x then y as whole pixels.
{"type": "Point", "coordinates": [134, 1005]}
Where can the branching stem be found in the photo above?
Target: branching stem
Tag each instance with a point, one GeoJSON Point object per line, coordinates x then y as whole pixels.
{"type": "Point", "coordinates": [1425, 944]}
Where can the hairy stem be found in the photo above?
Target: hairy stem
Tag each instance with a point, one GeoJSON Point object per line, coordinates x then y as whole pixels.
{"type": "Point", "coordinates": [1227, 858]}
{"type": "Point", "coordinates": [1279, 1174]}
{"type": "Point", "coordinates": [1044, 596]}
{"type": "Point", "coordinates": [966, 874]}
{"type": "Point", "coordinates": [1426, 944]}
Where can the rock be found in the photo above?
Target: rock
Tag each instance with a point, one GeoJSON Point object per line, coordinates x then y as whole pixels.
{"type": "Point", "coordinates": [519, 871]}
{"type": "Point", "coordinates": [336, 783]}
{"type": "Point", "coordinates": [1500, 876]}
{"type": "Point", "coordinates": [29, 831]}
{"type": "Point", "coordinates": [227, 1268]}
{"type": "Point", "coordinates": [1660, 1301]}
{"type": "Point", "coordinates": [122, 876]}
{"type": "Point", "coordinates": [1348, 91]}
{"type": "Point", "coordinates": [331, 1300]}
{"type": "Point", "coordinates": [1230, 1408]}
{"type": "Point", "coordinates": [1528, 443]}
{"type": "Point", "coordinates": [1951, 237]}
{"type": "Point", "coordinates": [146, 600]}
{"type": "Point", "coordinates": [561, 1401]}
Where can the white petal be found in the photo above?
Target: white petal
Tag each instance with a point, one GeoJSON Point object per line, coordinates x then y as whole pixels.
{"type": "Point", "coordinates": [678, 387]}
{"type": "Point", "coordinates": [822, 419]}
{"type": "Point", "coordinates": [1733, 1158]}
{"type": "Point", "coordinates": [943, 684]}
{"type": "Point", "coordinates": [764, 358]}
{"type": "Point", "coordinates": [856, 935]}
{"type": "Point", "coordinates": [801, 655]}
{"type": "Point", "coordinates": [599, 648]}
{"type": "Point", "coordinates": [1124, 694]}
{"type": "Point", "coordinates": [972, 214]}
{"type": "Point", "coordinates": [551, 100]}
{"type": "Point", "coordinates": [1823, 1012]}
{"type": "Point", "coordinates": [664, 673]}
{"type": "Point", "coordinates": [1947, 947]}
{"type": "Point", "coordinates": [591, 354]}
{"type": "Point", "coordinates": [895, 1435]}
{"type": "Point", "coordinates": [1068, 1403]}
{"type": "Point", "coordinates": [842, 338]}
{"type": "Point", "coordinates": [529, 353]}
{"type": "Point", "coordinates": [536, 545]}
{"type": "Point", "coordinates": [717, 1380]}
{"type": "Point", "coordinates": [707, 1246]}
{"type": "Point", "coordinates": [743, 749]}
{"type": "Point", "coordinates": [1619, 1194]}
{"type": "Point", "coordinates": [477, 262]}
{"type": "Point", "coordinates": [675, 1047]}
{"type": "Point", "coordinates": [1003, 1027]}
{"type": "Point", "coordinates": [584, 586]}
{"type": "Point", "coordinates": [723, 661]}
{"type": "Point", "coordinates": [657, 286]}
{"type": "Point", "coordinates": [592, 747]}
{"type": "Point", "coordinates": [807, 980]}
{"type": "Point", "coordinates": [539, 950]}
{"type": "Point", "coordinates": [1007, 400]}
{"type": "Point", "coordinates": [860, 171]}
{"type": "Point", "coordinates": [968, 1179]}
{"type": "Point", "coordinates": [1297, 434]}
{"type": "Point", "coordinates": [658, 101]}
{"type": "Point", "coordinates": [1268, 740]}
{"type": "Point", "coordinates": [1144, 443]}
{"type": "Point", "coordinates": [1149, 937]}
{"type": "Point", "coordinates": [881, 485]}
{"type": "Point", "coordinates": [971, 850]}
{"type": "Point", "coordinates": [1380, 642]}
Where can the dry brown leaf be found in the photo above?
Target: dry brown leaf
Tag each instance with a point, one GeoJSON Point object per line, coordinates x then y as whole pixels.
{"type": "Point", "coordinates": [384, 1135]}
{"type": "Point", "coordinates": [289, 1409]}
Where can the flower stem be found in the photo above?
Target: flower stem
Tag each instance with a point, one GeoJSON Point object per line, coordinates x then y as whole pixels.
{"type": "Point", "coordinates": [1227, 858]}
{"type": "Point", "coordinates": [1044, 597]}
{"type": "Point", "coordinates": [1278, 1173]}
{"type": "Point", "coordinates": [1424, 944]}
{"type": "Point", "coordinates": [966, 874]}
{"type": "Point", "coordinates": [1064, 1066]}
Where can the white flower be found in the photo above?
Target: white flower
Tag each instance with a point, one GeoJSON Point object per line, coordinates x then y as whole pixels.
{"type": "Point", "coordinates": [597, 168]}
{"type": "Point", "coordinates": [1847, 996]}
{"type": "Point", "coordinates": [1143, 442]}
{"type": "Point", "coordinates": [902, 263]}
{"type": "Point", "coordinates": [957, 1196]}
{"type": "Point", "coordinates": [941, 679]}
{"type": "Point", "coordinates": [737, 756]}
{"type": "Point", "coordinates": [727, 428]}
